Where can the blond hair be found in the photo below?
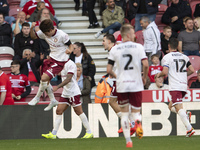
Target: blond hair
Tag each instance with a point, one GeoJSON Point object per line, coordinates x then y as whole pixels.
{"type": "Point", "coordinates": [125, 29]}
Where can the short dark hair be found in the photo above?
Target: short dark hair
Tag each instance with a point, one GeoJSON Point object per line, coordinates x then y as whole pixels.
{"type": "Point", "coordinates": [110, 37]}
{"type": "Point", "coordinates": [39, 4]}
{"type": "Point", "coordinates": [15, 62]}
{"type": "Point", "coordinates": [154, 55]}
{"type": "Point", "coordinates": [173, 42]}
{"type": "Point", "coordinates": [2, 15]}
{"type": "Point", "coordinates": [46, 25]}
{"type": "Point", "coordinates": [25, 24]}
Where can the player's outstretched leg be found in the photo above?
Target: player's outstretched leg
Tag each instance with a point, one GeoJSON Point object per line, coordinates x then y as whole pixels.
{"type": "Point", "coordinates": [126, 129]}
{"type": "Point", "coordinates": [36, 99]}
{"type": "Point", "coordinates": [53, 102]}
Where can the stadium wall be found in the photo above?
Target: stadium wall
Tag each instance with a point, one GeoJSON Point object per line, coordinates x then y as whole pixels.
{"type": "Point", "coordinates": [26, 122]}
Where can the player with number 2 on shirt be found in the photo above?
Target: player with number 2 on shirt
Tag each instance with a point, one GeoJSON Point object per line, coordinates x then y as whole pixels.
{"type": "Point", "coordinates": [177, 66]}
{"type": "Point", "coordinates": [129, 58]}
{"type": "Point", "coordinates": [61, 47]}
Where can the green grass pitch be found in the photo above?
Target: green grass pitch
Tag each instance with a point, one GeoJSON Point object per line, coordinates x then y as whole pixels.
{"type": "Point", "coordinates": [146, 143]}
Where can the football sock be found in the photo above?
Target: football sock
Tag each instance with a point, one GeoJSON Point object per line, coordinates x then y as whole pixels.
{"type": "Point", "coordinates": [49, 90]}
{"type": "Point", "coordinates": [125, 126]}
{"type": "Point", "coordinates": [184, 119]}
{"type": "Point", "coordinates": [42, 87]}
{"type": "Point", "coordinates": [85, 122]}
{"type": "Point", "coordinates": [173, 109]}
{"type": "Point", "coordinates": [57, 122]}
{"type": "Point", "coordinates": [119, 114]}
{"type": "Point", "coordinates": [137, 116]}
{"type": "Point", "coordinates": [131, 119]}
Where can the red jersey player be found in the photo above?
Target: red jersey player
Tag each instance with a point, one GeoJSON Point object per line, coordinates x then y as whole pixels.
{"type": "Point", "coordinates": [5, 90]}
{"type": "Point", "coordinates": [19, 82]}
{"type": "Point", "coordinates": [61, 47]}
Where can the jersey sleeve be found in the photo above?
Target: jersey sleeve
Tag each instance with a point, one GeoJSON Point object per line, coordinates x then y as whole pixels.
{"type": "Point", "coordinates": [40, 34]}
{"type": "Point", "coordinates": [27, 83]}
{"type": "Point", "coordinates": [3, 85]}
{"type": "Point", "coordinates": [71, 68]}
{"type": "Point", "coordinates": [65, 38]}
{"type": "Point", "coordinates": [165, 61]}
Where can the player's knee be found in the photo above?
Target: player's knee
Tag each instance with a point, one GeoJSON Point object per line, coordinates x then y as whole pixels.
{"type": "Point", "coordinates": [59, 112]}
{"type": "Point", "coordinates": [45, 78]}
{"type": "Point", "coordinates": [78, 112]}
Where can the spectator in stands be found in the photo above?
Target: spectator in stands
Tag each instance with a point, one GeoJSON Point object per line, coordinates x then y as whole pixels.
{"type": "Point", "coordinates": [167, 32]}
{"type": "Point", "coordinates": [197, 24]}
{"type": "Point", "coordinates": [147, 8]}
{"type": "Point", "coordinates": [175, 13]}
{"type": "Point", "coordinates": [21, 18]}
{"type": "Point", "coordinates": [31, 5]}
{"type": "Point", "coordinates": [113, 18]}
{"type": "Point", "coordinates": [5, 32]}
{"type": "Point", "coordinates": [23, 41]}
{"type": "Point", "coordinates": [4, 8]}
{"type": "Point", "coordinates": [158, 85]}
{"type": "Point", "coordinates": [19, 82]}
{"type": "Point", "coordinates": [197, 83]}
{"type": "Point", "coordinates": [5, 90]}
{"type": "Point", "coordinates": [152, 39]}
{"type": "Point", "coordinates": [30, 66]}
{"type": "Point", "coordinates": [84, 84]}
{"type": "Point", "coordinates": [189, 39]}
{"type": "Point", "coordinates": [80, 55]}
{"type": "Point", "coordinates": [155, 67]}
{"type": "Point", "coordinates": [197, 11]}
{"type": "Point", "coordinates": [91, 14]}
{"type": "Point", "coordinates": [34, 16]}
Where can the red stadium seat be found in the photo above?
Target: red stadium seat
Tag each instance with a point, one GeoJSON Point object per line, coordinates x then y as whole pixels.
{"type": "Point", "coordinates": [192, 79]}
{"type": "Point", "coordinates": [6, 53]}
{"type": "Point", "coordinates": [193, 6]}
{"type": "Point", "coordinates": [5, 65]}
{"type": "Point", "coordinates": [13, 2]}
{"type": "Point", "coordinates": [139, 37]}
{"type": "Point", "coordinates": [116, 34]}
{"type": "Point", "coordinates": [14, 11]}
{"type": "Point", "coordinates": [126, 20]}
{"type": "Point", "coordinates": [158, 22]}
{"type": "Point", "coordinates": [195, 61]}
{"type": "Point", "coordinates": [34, 90]}
{"type": "Point", "coordinates": [161, 9]}
{"type": "Point", "coordinates": [133, 22]}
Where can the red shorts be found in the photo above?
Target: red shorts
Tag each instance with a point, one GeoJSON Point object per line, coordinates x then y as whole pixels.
{"type": "Point", "coordinates": [113, 93]}
{"type": "Point", "coordinates": [52, 67]}
{"type": "Point", "coordinates": [177, 96]}
{"type": "Point", "coordinates": [133, 98]}
{"type": "Point", "coordinates": [73, 101]}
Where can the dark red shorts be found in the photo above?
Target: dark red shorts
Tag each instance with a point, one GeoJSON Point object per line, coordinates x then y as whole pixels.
{"type": "Point", "coordinates": [52, 67]}
{"type": "Point", "coordinates": [73, 101]}
{"type": "Point", "coordinates": [113, 93]}
{"type": "Point", "coordinates": [177, 96]}
{"type": "Point", "coordinates": [133, 98]}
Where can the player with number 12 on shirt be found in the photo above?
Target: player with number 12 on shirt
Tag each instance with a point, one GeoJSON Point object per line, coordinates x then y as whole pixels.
{"type": "Point", "coordinates": [60, 48]}
{"type": "Point", "coordinates": [129, 58]}
{"type": "Point", "coordinates": [175, 65]}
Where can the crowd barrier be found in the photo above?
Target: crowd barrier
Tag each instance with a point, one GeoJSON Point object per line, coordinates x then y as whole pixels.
{"type": "Point", "coordinates": [29, 122]}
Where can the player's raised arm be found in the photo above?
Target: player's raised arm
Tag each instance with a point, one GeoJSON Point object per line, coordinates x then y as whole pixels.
{"type": "Point", "coordinates": [33, 30]}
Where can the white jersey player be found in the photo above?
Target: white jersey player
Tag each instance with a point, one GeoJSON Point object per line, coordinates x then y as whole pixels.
{"type": "Point", "coordinates": [128, 57]}
{"type": "Point", "coordinates": [61, 47]}
{"type": "Point", "coordinates": [70, 96]}
{"type": "Point", "coordinates": [175, 65]}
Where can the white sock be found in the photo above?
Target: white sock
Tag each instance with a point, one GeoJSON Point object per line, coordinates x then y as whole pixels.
{"type": "Point", "coordinates": [50, 92]}
{"type": "Point", "coordinates": [57, 124]}
{"type": "Point", "coordinates": [42, 87]}
{"type": "Point", "coordinates": [184, 119]}
{"type": "Point", "coordinates": [119, 114]}
{"type": "Point", "coordinates": [125, 126]}
{"type": "Point", "coordinates": [173, 109]}
{"type": "Point", "coordinates": [85, 122]}
{"type": "Point", "coordinates": [131, 119]}
{"type": "Point", "coordinates": [137, 116]}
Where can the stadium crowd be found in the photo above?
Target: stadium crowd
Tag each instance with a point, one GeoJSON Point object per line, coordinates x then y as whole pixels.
{"type": "Point", "coordinates": [155, 24]}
